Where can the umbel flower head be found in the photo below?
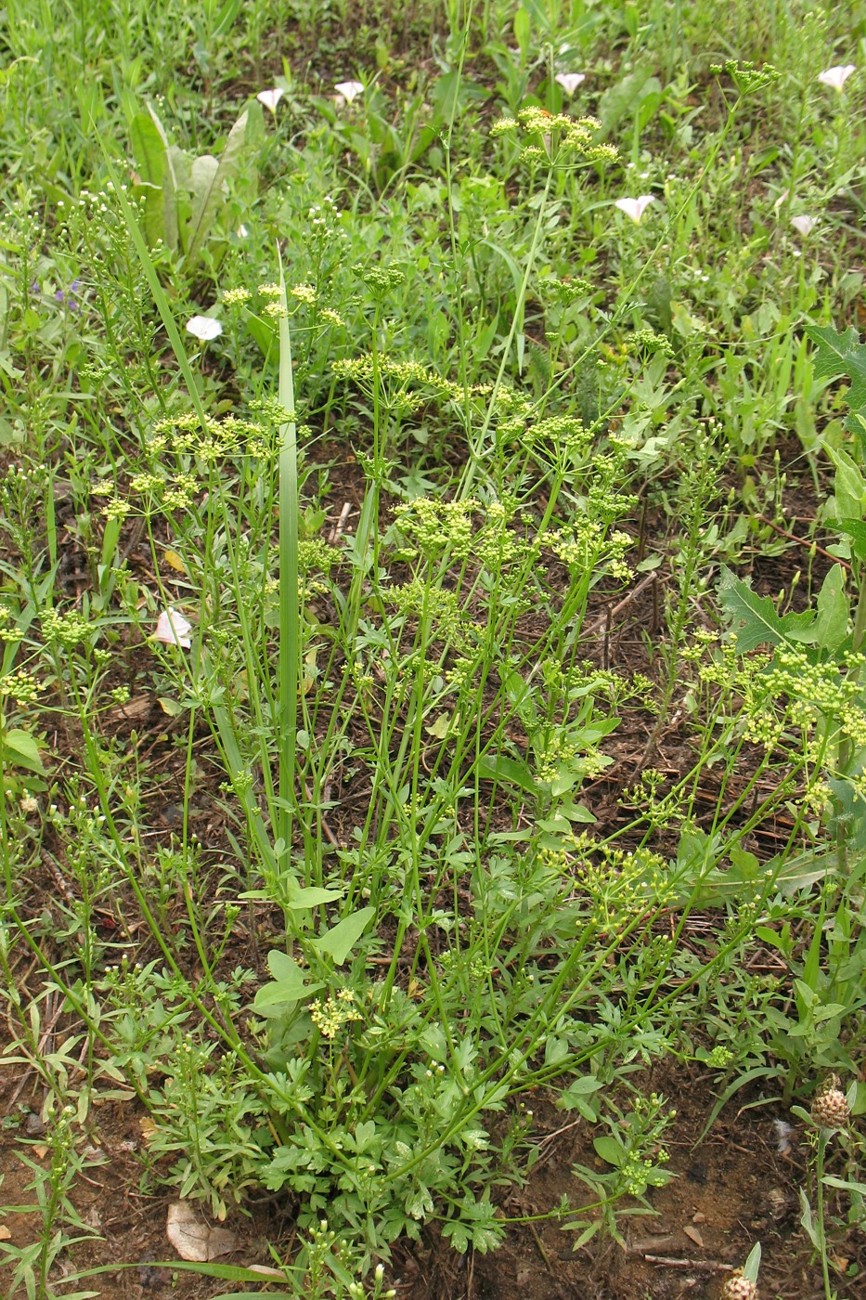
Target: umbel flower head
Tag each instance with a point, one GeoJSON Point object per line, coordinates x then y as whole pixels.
{"type": "Point", "coordinates": [556, 138]}
{"type": "Point", "coordinates": [836, 77]}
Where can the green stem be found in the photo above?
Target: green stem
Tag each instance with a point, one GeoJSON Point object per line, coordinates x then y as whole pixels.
{"type": "Point", "coordinates": [289, 655]}
{"type": "Point", "coordinates": [819, 1227]}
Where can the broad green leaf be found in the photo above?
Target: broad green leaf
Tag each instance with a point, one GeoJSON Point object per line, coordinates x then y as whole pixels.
{"type": "Point", "coordinates": [522, 32]}
{"type": "Point", "coordinates": [486, 1238]}
{"type": "Point", "coordinates": [625, 96]}
{"type": "Point", "coordinates": [752, 1266]}
{"type": "Point", "coordinates": [840, 354]}
{"type": "Point", "coordinates": [365, 1135]}
{"type": "Point", "coordinates": [339, 941]}
{"type": "Point", "coordinates": [845, 1184]}
{"type": "Point", "coordinates": [650, 99]}
{"type": "Point", "coordinates": [212, 194]}
{"type": "Point", "coordinates": [20, 748]}
{"type": "Point", "coordinates": [496, 767]}
{"type": "Point", "coordinates": [807, 1222]}
{"type": "Point", "coordinates": [288, 986]}
{"type": "Point", "coordinates": [555, 1049]}
{"type": "Point", "coordinates": [483, 341]}
{"type": "Point", "coordinates": [148, 150]}
{"type": "Point", "coordinates": [302, 899]}
{"type": "Point", "coordinates": [226, 17]}
{"type": "Point", "coordinates": [520, 696]}
{"type": "Point", "coordinates": [169, 231]}
{"type": "Point", "coordinates": [455, 1232]}
{"type": "Point", "coordinates": [451, 93]}
{"type": "Point", "coordinates": [276, 996]}
{"type": "Point", "coordinates": [609, 1150]}
{"type": "Point", "coordinates": [834, 612]}
{"type": "Point", "coordinates": [754, 620]}
{"type": "Point", "coordinates": [283, 967]}
{"type": "Point", "coordinates": [262, 333]}
{"type": "Point", "coordinates": [419, 1203]}
{"type": "Point", "coordinates": [517, 277]}
{"type": "Point", "coordinates": [744, 865]}
{"type": "Point", "coordinates": [804, 871]}
{"type": "Point", "coordinates": [578, 1096]}
{"type": "Point", "coordinates": [587, 1083]}
{"type": "Point", "coordinates": [849, 486]}
{"type": "Point", "coordinates": [856, 530]}
{"type": "Point", "coordinates": [440, 727]}
{"type": "Point", "coordinates": [573, 773]}
{"type": "Point", "coordinates": [567, 777]}
{"type": "Point", "coordinates": [202, 177]}
{"type": "Point", "coordinates": [576, 812]}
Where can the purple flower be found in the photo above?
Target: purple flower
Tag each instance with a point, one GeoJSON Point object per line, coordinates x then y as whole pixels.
{"type": "Point", "coordinates": [68, 298]}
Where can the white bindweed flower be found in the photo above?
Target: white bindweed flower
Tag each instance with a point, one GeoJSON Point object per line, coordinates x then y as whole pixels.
{"type": "Point", "coordinates": [634, 208]}
{"type": "Point", "coordinates": [836, 77]}
{"type": "Point", "coordinates": [204, 328]}
{"type": "Point", "coordinates": [570, 81]}
{"type": "Point", "coordinates": [270, 98]}
{"type": "Point", "coordinates": [349, 89]}
{"type": "Point", "coordinates": [804, 225]}
{"type": "Point", "coordinates": [173, 629]}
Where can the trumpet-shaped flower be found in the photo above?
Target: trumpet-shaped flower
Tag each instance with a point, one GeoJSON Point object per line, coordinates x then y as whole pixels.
{"type": "Point", "coordinates": [836, 77]}
{"type": "Point", "coordinates": [270, 98]}
{"type": "Point", "coordinates": [570, 81]}
{"type": "Point", "coordinates": [804, 225]}
{"type": "Point", "coordinates": [349, 89]}
{"type": "Point", "coordinates": [204, 328]}
{"type": "Point", "coordinates": [173, 629]}
{"type": "Point", "coordinates": [635, 208]}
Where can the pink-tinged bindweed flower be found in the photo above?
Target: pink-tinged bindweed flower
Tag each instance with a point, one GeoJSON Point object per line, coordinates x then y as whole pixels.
{"type": "Point", "coordinates": [349, 89]}
{"type": "Point", "coordinates": [635, 208]}
{"type": "Point", "coordinates": [836, 77]}
{"type": "Point", "coordinates": [204, 328]}
{"type": "Point", "coordinates": [570, 81]}
{"type": "Point", "coordinates": [173, 629]}
{"type": "Point", "coordinates": [270, 98]}
{"type": "Point", "coordinates": [804, 225]}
